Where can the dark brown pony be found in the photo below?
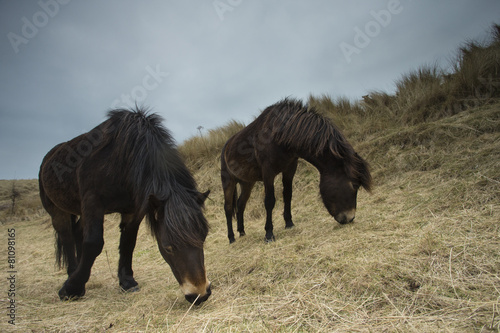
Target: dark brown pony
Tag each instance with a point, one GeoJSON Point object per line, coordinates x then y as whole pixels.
{"type": "Point", "coordinates": [129, 165]}
{"type": "Point", "coordinates": [272, 144]}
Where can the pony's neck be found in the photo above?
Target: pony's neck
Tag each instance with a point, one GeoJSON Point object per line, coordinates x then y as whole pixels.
{"type": "Point", "coordinates": [321, 162]}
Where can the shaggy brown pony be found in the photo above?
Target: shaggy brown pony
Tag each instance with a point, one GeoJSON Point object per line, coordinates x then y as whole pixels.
{"type": "Point", "coordinates": [129, 165]}
{"type": "Point", "coordinates": [272, 144]}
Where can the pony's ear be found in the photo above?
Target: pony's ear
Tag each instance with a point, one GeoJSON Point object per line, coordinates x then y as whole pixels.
{"type": "Point", "coordinates": [152, 213]}
{"type": "Point", "coordinates": [363, 171]}
{"type": "Point", "coordinates": [154, 202]}
{"type": "Point", "coordinates": [201, 197]}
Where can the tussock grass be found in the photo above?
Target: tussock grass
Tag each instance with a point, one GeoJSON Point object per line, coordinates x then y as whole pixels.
{"type": "Point", "coordinates": [422, 255]}
{"type": "Point", "coordinates": [477, 67]}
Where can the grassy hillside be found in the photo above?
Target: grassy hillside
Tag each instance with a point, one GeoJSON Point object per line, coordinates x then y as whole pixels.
{"type": "Point", "coordinates": [422, 256]}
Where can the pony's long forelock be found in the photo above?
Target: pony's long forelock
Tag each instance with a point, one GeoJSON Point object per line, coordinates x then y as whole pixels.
{"type": "Point", "coordinates": [177, 210]}
{"type": "Point", "coordinates": [302, 128]}
{"type": "Point", "coordinates": [171, 216]}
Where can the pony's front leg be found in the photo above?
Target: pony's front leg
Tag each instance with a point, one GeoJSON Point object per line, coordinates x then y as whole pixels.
{"type": "Point", "coordinates": [269, 202]}
{"type": "Point", "coordinates": [92, 245]}
{"type": "Point", "coordinates": [129, 227]}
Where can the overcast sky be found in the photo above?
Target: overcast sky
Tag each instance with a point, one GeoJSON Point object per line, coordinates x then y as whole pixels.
{"type": "Point", "coordinates": [65, 63]}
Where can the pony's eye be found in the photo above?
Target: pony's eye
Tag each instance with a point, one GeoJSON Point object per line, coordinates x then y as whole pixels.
{"type": "Point", "coordinates": [169, 249]}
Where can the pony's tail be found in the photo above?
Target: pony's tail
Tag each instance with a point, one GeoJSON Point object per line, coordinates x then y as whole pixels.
{"type": "Point", "coordinates": [61, 257]}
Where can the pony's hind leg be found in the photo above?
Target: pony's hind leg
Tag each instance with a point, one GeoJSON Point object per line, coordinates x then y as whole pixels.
{"type": "Point", "coordinates": [129, 227]}
{"type": "Point", "coordinates": [246, 189]}
{"type": "Point", "coordinates": [229, 189]}
{"type": "Point", "coordinates": [288, 175]}
{"type": "Point", "coordinates": [92, 245]}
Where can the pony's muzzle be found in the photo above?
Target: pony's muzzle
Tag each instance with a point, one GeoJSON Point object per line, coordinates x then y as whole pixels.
{"type": "Point", "coordinates": [197, 299]}
{"type": "Point", "coordinates": [345, 217]}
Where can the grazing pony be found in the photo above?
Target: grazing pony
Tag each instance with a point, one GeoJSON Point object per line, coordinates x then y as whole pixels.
{"type": "Point", "coordinates": [272, 144]}
{"type": "Point", "coordinates": [128, 164]}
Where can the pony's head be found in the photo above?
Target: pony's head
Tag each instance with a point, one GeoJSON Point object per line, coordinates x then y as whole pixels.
{"type": "Point", "coordinates": [180, 232]}
{"type": "Point", "coordinates": [315, 138]}
{"type": "Point", "coordinates": [339, 185]}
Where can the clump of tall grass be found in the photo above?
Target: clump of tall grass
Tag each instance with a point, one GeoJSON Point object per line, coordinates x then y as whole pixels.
{"type": "Point", "coordinates": [477, 68]}
{"type": "Point", "coordinates": [420, 94]}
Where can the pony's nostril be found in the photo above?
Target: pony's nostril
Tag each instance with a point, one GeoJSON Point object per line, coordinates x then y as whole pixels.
{"type": "Point", "coordinates": [340, 218]}
{"type": "Point", "coordinates": [198, 299]}
{"type": "Point", "coordinates": [345, 217]}
{"type": "Point", "coordinates": [191, 298]}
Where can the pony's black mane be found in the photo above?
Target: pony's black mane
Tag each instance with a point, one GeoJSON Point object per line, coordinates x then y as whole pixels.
{"type": "Point", "coordinates": [302, 128]}
{"type": "Point", "coordinates": [155, 172]}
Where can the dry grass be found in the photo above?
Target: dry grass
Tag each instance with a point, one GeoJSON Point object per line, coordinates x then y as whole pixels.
{"type": "Point", "coordinates": [422, 255]}
{"type": "Point", "coordinates": [27, 204]}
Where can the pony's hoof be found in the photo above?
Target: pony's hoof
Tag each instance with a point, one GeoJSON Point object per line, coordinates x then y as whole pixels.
{"type": "Point", "coordinates": [289, 226]}
{"type": "Point", "coordinates": [130, 290]}
{"type": "Point", "coordinates": [270, 240]}
{"type": "Point", "coordinates": [66, 294]}
{"type": "Point", "coordinates": [231, 240]}
{"type": "Point", "coordinates": [129, 285]}
{"type": "Point", "coordinates": [242, 233]}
